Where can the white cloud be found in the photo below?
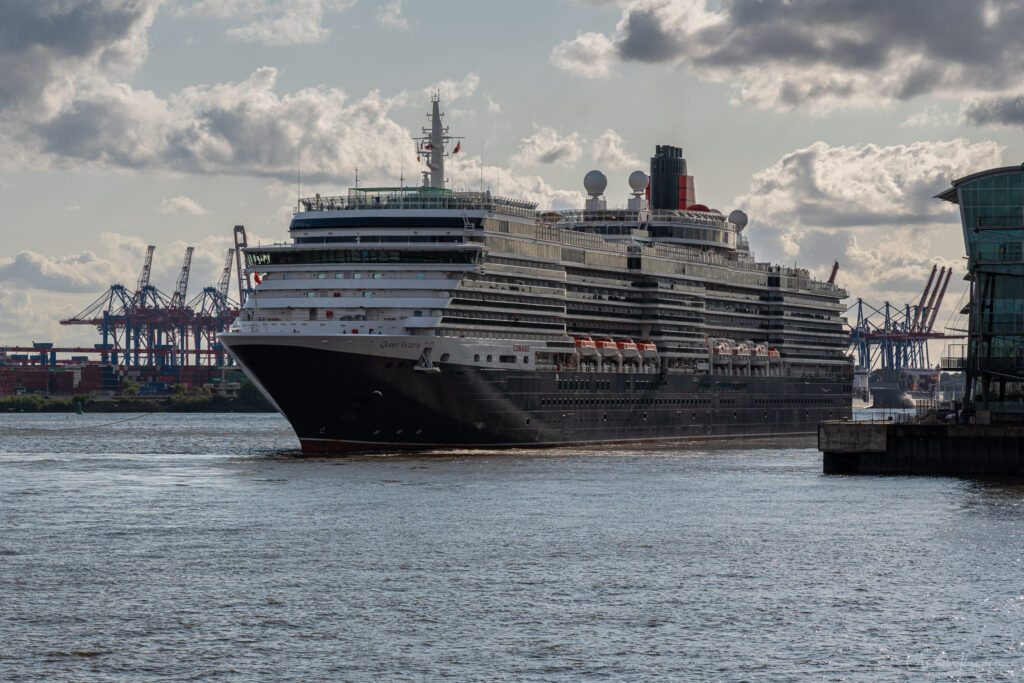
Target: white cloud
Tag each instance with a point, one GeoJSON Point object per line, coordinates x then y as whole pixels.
{"type": "Point", "coordinates": [821, 203]}
{"type": "Point", "coordinates": [608, 151]}
{"type": "Point", "coordinates": [466, 175]}
{"type": "Point", "coordinates": [181, 205]}
{"type": "Point", "coordinates": [449, 91]}
{"type": "Point", "coordinates": [284, 22]}
{"type": "Point", "coordinates": [588, 55]}
{"type": "Point", "coordinates": [492, 106]}
{"type": "Point", "coordinates": [221, 9]}
{"type": "Point", "coordinates": [932, 115]}
{"type": "Point", "coordinates": [548, 146]}
{"type": "Point", "coordinates": [392, 14]}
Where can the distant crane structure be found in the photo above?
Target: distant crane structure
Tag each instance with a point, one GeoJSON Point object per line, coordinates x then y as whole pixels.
{"type": "Point", "coordinates": [147, 327]}
{"type": "Point", "coordinates": [897, 338]}
{"type": "Point", "coordinates": [244, 283]}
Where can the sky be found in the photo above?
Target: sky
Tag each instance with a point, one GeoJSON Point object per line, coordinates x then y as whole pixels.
{"type": "Point", "coordinates": [832, 123]}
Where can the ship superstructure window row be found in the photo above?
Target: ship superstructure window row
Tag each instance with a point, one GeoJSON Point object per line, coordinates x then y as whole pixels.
{"type": "Point", "coordinates": [285, 258]}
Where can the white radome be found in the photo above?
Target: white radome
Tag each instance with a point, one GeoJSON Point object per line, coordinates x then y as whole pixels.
{"type": "Point", "coordinates": [595, 183]}
{"type": "Point", "coordinates": [738, 218]}
{"type": "Point", "coordinates": [638, 181]}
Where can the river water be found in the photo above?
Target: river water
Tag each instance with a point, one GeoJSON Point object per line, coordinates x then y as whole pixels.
{"type": "Point", "coordinates": [201, 546]}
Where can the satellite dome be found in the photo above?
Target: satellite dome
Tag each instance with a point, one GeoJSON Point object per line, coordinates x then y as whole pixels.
{"type": "Point", "coordinates": [638, 181]}
{"type": "Point", "coordinates": [738, 218]}
{"type": "Point", "coordinates": [595, 182]}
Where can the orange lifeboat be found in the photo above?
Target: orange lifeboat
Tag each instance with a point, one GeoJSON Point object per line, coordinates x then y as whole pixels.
{"type": "Point", "coordinates": [585, 346]}
{"type": "Point", "coordinates": [722, 352]}
{"type": "Point", "coordinates": [607, 347]}
{"type": "Point", "coordinates": [741, 350]}
{"type": "Point", "coordinates": [628, 348]}
{"type": "Point", "coordinates": [648, 349]}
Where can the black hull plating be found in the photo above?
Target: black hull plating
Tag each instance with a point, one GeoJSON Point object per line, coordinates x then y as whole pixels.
{"type": "Point", "coordinates": [365, 403]}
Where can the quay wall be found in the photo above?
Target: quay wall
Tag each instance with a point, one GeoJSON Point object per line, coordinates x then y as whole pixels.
{"type": "Point", "coordinates": [930, 449]}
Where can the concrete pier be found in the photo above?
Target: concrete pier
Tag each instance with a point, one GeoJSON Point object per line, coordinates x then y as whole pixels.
{"type": "Point", "coordinates": [936, 449]}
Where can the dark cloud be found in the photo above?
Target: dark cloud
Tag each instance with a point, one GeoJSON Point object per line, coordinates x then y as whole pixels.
{"type": "Point", "coordinates": [824, 53]}
{"type": "Point", "coordinates": [1003, 111]}
{"type": "Point", "coordinates": [44, 42]}
{"type": "Point", "coordinates": [646, 40]}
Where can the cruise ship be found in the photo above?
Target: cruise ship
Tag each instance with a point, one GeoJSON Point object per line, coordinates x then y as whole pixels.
{"type": "Point", "coordinates": [428, 318]}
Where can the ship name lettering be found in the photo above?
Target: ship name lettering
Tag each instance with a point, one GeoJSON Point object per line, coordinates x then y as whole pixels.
{"type": "Point", "coordinates": [399, 345]}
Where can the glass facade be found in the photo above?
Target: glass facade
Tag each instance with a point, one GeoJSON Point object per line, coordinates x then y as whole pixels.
{"type": "Point", "coordinates": [992, 212]}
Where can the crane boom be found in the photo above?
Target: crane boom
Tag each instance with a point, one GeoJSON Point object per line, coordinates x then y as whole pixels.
{"type": "Point", "coordinates": [147, 267]}
{"type": "Point", "coordinates": [927, 313]}
{"type": "Point", "coordinates": [942, 293]}
{"type": "Point", "coordinates": [244, 285]}
{"type": "Point", "coordinates": [924, 297]}
{"type": "Point", "coordinates": [225, 275]}
{"type": "Point", "coordinates": [178, 299]}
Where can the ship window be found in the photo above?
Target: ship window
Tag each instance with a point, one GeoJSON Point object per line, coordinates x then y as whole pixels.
{"type": "Point", "coordinates": [310, 294]}
{"type": "Point", "coordinates": [377, 276]}
{"type": "Point", "coordinates": [417, 314]}
{"type": "Point", "coordinates": [445, 357]}
{"type": "Point", "coordinates": [420, 276]}
{"type": "Point", "coordinates": [490, 358]}
{"type": "Point", "coordinates": [367, 294]}
{"type": "Point", "coordinates": [357, 276]}
{"type": "Point", "coordinates": [507, 359]}
{"type": "Point", "coordinates": [476, 357]}
{"type": "Point", "coordinates": [526, 359]}
{"type": "Point", "coordinates": [339, 276]}
{"type": "Point", "coordinates": [320, 276]}
{"type": "Point", "coordinates": [285, 276]}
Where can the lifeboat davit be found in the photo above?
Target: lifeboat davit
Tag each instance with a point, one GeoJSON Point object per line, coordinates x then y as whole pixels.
{"type": "Point", "coordinates": [628, 348]}
{"type": "Point", "coordinates": [585, 346]}
{"type": "Point", "coordinates": [648, 349]}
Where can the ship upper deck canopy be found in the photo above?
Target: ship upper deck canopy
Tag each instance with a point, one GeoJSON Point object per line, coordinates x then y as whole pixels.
{"type": "Point", "coordinates": [407, 198]}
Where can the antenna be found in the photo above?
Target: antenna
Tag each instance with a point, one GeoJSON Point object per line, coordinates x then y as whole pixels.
{"type": "Point", "coordinates": [357, 176]}
{"type": "Point", "coordinates": [298, 175]}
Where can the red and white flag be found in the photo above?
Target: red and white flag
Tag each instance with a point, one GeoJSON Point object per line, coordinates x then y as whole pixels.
{"type": "Point", "coordinates": [458, 146]}
{"type": "Point", "coordinates": [256, 275]}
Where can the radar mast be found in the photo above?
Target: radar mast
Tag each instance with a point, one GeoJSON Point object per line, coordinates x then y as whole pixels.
{"type": "Point", "coordinates": [432, 145]}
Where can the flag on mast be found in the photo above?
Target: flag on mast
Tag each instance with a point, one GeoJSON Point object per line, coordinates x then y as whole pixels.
{"type": "Point", "coordinates": [458, 146]}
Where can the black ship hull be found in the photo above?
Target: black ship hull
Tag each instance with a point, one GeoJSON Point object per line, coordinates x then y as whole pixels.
{"type": "Point", "coordinates": [356, 402]}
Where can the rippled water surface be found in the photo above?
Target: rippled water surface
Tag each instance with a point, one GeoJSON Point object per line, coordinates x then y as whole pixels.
{"type": "Point", "coordinates": [201, 546]}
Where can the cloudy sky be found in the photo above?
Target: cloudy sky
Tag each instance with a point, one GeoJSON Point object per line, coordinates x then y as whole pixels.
{"type": "Point", "coordinates": [831, 122]}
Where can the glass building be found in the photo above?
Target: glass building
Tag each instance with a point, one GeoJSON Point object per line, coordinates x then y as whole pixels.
{"type": "Point", "coordinates": [992, 213]}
